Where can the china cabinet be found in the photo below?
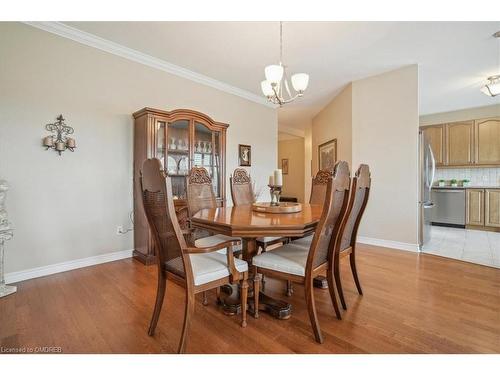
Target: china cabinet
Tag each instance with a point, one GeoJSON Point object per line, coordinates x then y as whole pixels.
{"type": "Point", "coordinates": [180, 139]}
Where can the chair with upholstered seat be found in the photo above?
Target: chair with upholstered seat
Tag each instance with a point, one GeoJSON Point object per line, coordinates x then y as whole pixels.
{"type": "Point", "coordinates": [360, 189]}
{"type": "Point", "coordinates": [242, 194]}
{"type": "Point", "coordinates": [301, 264]}
{"type": "Point", "coordinates": [200, 195]}
{"type": "Point", "coordinates": [197, 269]}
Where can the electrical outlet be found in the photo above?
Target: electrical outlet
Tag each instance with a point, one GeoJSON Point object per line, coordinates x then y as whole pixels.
{"type": "Point", "coordinates": [119, 229]}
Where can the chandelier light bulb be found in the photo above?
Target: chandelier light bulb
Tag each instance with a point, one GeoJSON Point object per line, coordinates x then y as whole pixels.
{"type": "Point", "coordinates": [300, 82]}
{"type": "Point", "coordinates": [492, 88]}
{"type": "Point", "coordinates": [274, 74]}
{"type": "Point", "coordinates": [267, 89]}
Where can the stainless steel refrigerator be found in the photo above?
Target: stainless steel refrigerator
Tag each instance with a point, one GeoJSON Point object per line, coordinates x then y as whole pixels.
{"type": "Point", "coordinates": [427, 166]}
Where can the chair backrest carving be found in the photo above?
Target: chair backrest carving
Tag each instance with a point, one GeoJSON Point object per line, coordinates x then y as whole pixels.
{"type": "Point", "coordinates": [160, 212]}
{"type": "Point", "coordinates": [241, 187]}
{"type": "Point", "coordinates": [200, 193]}
{"type": "Point", "coordinates": [358, 199]}
{"type": "Point", "coordinates": [334, 208]}
{"type": "Point", "coordinates": [319, 185]}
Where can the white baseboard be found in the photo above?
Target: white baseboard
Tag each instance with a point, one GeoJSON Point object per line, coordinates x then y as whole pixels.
{"type": "Point", "coordinates": [14, 277]}
{"type": "Point", "coordinates": [388, 243]}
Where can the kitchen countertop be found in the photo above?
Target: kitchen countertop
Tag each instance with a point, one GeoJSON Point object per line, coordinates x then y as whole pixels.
{"type": "Point", "coordinates": [466, 187]}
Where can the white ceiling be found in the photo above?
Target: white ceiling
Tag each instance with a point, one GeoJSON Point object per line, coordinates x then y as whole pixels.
{"type": "Point", "coordinates": [454, 57]}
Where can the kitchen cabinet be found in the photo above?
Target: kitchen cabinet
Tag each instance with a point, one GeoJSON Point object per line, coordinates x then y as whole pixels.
{"type": "Point", "coordinates": [487, 141]}
{"type": "Point", "coordinates": [474, 143]}
{"type": "Point", "coordinates": [435, 137]}
{"type": "Point", "coordinates": [492, 208]}
{"type": "Point", "coordinates": [459, 143]}
{"type": "Point", "coordinates": [475, 207]}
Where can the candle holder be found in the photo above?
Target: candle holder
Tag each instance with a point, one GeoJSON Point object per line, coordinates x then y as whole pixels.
{"type": "Point", "coordinates": [275, 191]}
{"type": "Point", "coordinates": [60, 141]}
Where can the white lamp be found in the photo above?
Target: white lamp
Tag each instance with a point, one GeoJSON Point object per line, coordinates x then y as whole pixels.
{"type": "Point", "coordinates": [267, 89]}
{"type": "Point", "coordinates": [300, 82]}
{"type": "Point", "coordinates": [492, 88]}
{"type": "Point", "coordinates": [274, 74]}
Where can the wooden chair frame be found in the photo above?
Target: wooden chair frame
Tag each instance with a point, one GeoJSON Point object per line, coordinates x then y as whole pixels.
{"type": "Point", "coordinates": [154, 180]}
{"type": "Point", "coordinates": [361, 180]}
{"type": "Point", "coordinates": [241, 177]}
{"type": "Point", "coordinates": [339, 182]}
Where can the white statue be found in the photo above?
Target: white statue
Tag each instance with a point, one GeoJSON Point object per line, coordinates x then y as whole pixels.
{"type": "Point", "coordinates": [5, 235]}
{"type": "Point", "coordinates": [4, 220]}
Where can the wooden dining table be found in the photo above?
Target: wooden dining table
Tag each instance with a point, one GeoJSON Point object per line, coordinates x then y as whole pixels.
{"type": "Point", "coordinates": [242, 221]}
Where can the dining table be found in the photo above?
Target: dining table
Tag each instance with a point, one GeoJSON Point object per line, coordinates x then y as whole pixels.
{"type": "Point", "coordinates": [244, 222]}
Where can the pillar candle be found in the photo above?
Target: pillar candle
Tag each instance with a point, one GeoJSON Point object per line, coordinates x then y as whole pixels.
{"type": "Point", "coordinates": [278, 177]}
{"type": "Point", "coordinates": [48, 141]}
{"type": "Point", "coordinates": [70, 142]}
{"type": "Point", "coordinates": [271, 180]}
{"type": "Point", "coordinates": [60, 146]}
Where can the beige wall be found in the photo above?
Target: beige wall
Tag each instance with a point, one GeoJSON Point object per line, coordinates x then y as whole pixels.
{"type": "Point", "coordinates": [461, 115]}
{"type": "Point", "coordinates": [293, 182]}
{"type": "Point", "coordinates": [334, 121]}
{"type": "Point", "coordinates": [308, 156]}
{"type": "Point", "coordinates": [385, 136]}
{"type": "Point", "coordinates": [375, 121]}
{"type": "Point", "coordinates": [67, 207]}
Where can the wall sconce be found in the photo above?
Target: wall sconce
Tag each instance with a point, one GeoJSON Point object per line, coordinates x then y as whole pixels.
{"type": "Point", "coordinates": [60, 140]}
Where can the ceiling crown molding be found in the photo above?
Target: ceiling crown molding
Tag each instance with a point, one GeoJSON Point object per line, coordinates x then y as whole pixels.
{"type": "Point", "coordinates": [102, 44]}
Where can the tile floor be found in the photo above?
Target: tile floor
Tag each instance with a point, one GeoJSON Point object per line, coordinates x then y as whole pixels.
{"type": "Point", "coordinates": [473, 246]}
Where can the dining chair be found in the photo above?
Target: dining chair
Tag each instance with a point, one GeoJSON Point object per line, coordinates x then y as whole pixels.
{"type": "Point", "coordinates": [200, 195]}
{"type": "Point", "coordinates": [360, 190]}
{"type": "Point", "coordinates": [242, 194]}
{"type": "Point", "coordinates": [197, 269]}
{"type": "Point", "coordinates": [301, 264]}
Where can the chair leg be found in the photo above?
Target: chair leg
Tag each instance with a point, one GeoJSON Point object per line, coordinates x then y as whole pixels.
{"type": "Point", "coordinates": [244, 295]}
{"type": "Point", "coordinates": [289, 288]}
{"type": "Point", "coordinates": [160, 294]}
{"type": "Point", "coordinates": [217, 293]}
{"type": "Point", "coordinates": [339, 284]}
{"type": "Point", "coordinates": [256, 291]}
{"type": "Point", "coordinates": [311, 309]}
{"type": "Point", "coordinates": [188, 312]}
{"type": "Point", "coordinates": [263, 283]}
{"type": "Point", "coordinates": [333, 296]}
{"type": "Point", "coordinates": [205, 299]}
{"type": "Point", "coordinates": [352, 259]}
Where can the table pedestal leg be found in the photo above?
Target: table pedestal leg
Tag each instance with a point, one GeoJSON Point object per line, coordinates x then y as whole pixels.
{"type": "Point", "coordinates": [231, 303]}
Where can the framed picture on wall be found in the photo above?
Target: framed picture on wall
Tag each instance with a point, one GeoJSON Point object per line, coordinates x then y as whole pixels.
{"type": "Point", "coordinates": [245, 155]}
{"type": "Point", "coordinates": [327, 154]}
{"type": "Point", "coordinates": [284, 166]}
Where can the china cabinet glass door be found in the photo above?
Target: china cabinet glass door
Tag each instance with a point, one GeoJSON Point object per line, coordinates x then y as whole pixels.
{"type": "Point", "coordinates": [177, 156]}
{"type": "Point", "coordinates": [160, 141]}
{"type": "Point", "coordinates": [207, 153]}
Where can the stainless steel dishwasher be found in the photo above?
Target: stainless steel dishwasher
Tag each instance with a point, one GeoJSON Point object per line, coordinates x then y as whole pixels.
{"type": "Point", "coordinates": [449, 207]}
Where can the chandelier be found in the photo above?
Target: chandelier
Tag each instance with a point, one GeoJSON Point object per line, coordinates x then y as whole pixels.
{"type": "Point", "coordinates": [492, 88]}
{"type": "Point", "coordinates": [276, 87]}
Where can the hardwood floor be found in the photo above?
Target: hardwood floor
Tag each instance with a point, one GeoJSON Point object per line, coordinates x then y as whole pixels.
{"type": "Point", "coordinates": [412, 304]}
